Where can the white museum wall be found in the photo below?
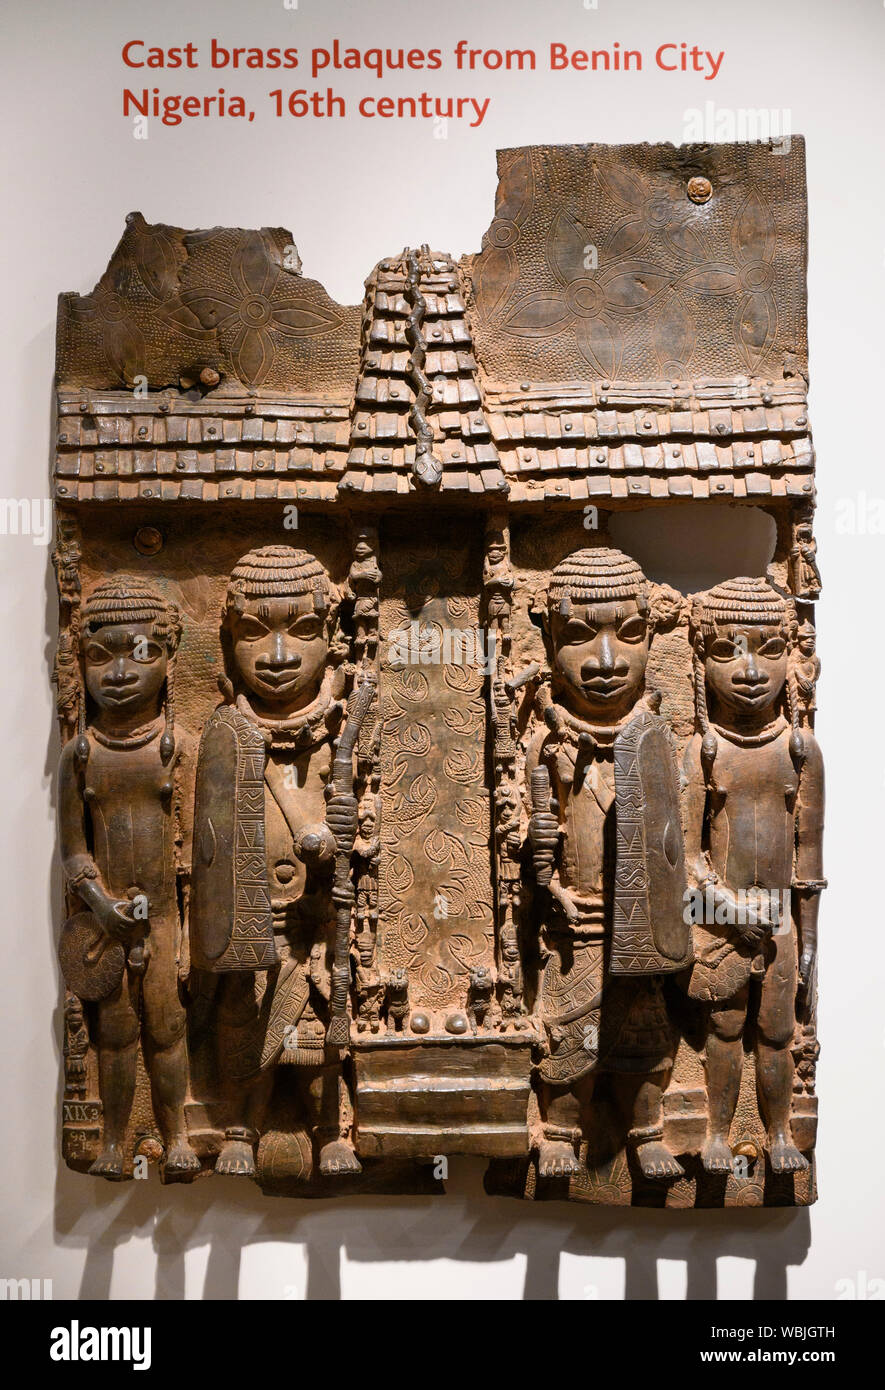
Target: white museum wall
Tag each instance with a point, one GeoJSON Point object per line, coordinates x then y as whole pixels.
{"type": "Point", "coordinates": [352, 192]}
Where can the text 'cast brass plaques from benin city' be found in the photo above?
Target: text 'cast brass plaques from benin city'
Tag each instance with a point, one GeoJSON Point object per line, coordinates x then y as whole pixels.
{"type": "Point", "coordinates": [405, 811]}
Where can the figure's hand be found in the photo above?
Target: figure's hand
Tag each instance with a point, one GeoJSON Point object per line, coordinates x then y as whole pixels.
{"type": "Point", "coordinates": [315, 845]}
{"type": "Point", "coordinates": [116, 918]}
{"type": "Point", "coordinates": [565, 900]}
{"type": "Point", "coordinates": [543, 830]}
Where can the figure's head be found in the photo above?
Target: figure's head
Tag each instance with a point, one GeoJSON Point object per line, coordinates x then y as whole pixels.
{"type": "Point", "coordinates": [743, 632]}
{"type": "Point", "coordinates": [129, 634]}
{"type": "Point", "coordinates": [598, 626]}
{"type": "Point", "coordinates": [365, 542]}
{"type": "Point", "coordinates": [279, 614]}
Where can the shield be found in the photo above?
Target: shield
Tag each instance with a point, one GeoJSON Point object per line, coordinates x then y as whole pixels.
{"type": "Point", "coordinates": [231, 925]}
{"type": "Point", "coordinates": [92, 963]}
{"type": "Point", "coordinates": [649, 933]}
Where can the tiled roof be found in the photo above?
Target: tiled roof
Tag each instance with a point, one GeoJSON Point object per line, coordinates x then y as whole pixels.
{"type": "Point", "coordinates": [394, 372]}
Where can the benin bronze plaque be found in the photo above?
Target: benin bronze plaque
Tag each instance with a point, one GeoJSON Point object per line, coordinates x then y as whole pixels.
{"type": "Point", "coordinates": [403, 813]}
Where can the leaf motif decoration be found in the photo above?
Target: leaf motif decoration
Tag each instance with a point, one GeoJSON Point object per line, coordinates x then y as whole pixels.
{"type": "Point", "coordinates": [626, 238]}
{"type": "Point", "coordinates": [400, 875]}
{"type": "Point", "coordinates": [566, 247]}
{"type": "Point", "coordinates": [412, 807]}
{"type": "Point", "coordinates": [198, 312]}
{"type": "Point", "coordinates": [414, 930]}
{"type": "Point", "coordinates": [472, 811]}
{"type": "Point", "coordinates": [752, 235]}
{"type": "Point", "coordinates": [633, 286]}
{"type": "Point", "coordinates": [600, 344]}
{"type": "Point", "coordinates": [461, 721]}
{"type": "Point", "coordinates": [463, 678]}
{"type": "Point", "coordinates": [685, 240]}
{"type": "Point", "coordinates": [715, 278]}
{"type": "Point", "coordinates": [458, 607]}
{"type": "Point", "coordinates": [516, 186]}
{"type": "Point", "coordinates": [156, 258]}
{"type": "Point", "coordinates": [497, 274]}
{"type": "Point", "coordinates": [624, 185]}
{"type": "Point", "coordinates": [537, 316]}
{"type": "Point", "coordinates": [296, 318]}
{"type": "Point", "coordinates": [252, 355]}
{"type": "Point", "coordinates": [252, 265]}
{"type": "Point", "coordinates": [124, 349]}
{"type": "Point", "coordinates": [755, 327]}
{"type": "Point", "coordinates": [416, 740]}
{"type": "Point", "coordinates": [673, 336]}
{"type": "Point", "coordinates": [462, 766]}
{"type": "Point", "coordinates": [409, 688]}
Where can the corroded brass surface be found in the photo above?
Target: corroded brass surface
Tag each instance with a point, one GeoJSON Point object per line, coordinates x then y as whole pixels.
{"type": "Point", "coordinates": [403, 814]}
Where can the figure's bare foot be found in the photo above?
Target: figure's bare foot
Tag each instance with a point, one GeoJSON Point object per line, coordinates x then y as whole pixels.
{"type": "Point", "coordinates": [181, 1163]}
{"type": "Point", "coordinates": [338, 1159]}
{"type": "Point", "coordinates": [716, 1155]}
{"type": "Point", "coordinates": [657, 1162]}
{"type": "Point", "coordinates": [236, 1159]}
{"type": "Point", "coordinates": [785, 1157]}
{"type": "Point", "coordinates": [557, 1159]}
{"type": "Point", "coordinates": [109, 1164]}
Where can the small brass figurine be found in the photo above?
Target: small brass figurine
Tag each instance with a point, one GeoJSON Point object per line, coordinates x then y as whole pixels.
{"type": "Point", "coordinates": [268, 929]}
{"type": "Point", "coordinates": [120, 853]}
{"type": "Point", "coordinates": [754, 820]}
{"type": "Point", "coordinates": [599, 624]}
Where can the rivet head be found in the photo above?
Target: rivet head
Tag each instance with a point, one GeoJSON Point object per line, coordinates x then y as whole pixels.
{"type": "Point", "coordinates": [457, 1023]}
{"type": "Point", "coordinates": [603, 400]}
{"type": "Point", "coordinates": [600, 458]}
{"type": "Point", "coordinates": [210, 431]}
{"type": "Point", "coordinates": [99, 468]}
{"type": "Point", "coordinates": [179, 463]}
{"type": "Point", "coordinates": [767, 398]}
{"type": "Point", "coordinates": [142, 432]}
{"type": "Point", "coordinates": [699, 189]}
{"type": "Point", "coordinates": [62, 488]}
{"type": "Point", "coordinates": [62, 439]}
{"type": "Point", "coordinates": [525, 386]}
{"type": "Point", "coordinates": [419, 1022]}
{"type": "Point", "coordinates": [147, 493]}
{"type": "Point", "coordinates": [567, 426]}
{"type": "Point", "coordinates": [801, 420]}
{"type": "Point", "coordinates": [147, 540]}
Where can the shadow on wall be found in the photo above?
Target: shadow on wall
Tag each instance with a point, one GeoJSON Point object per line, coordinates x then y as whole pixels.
{"type": "Point", "coordinates": [231, 1217]}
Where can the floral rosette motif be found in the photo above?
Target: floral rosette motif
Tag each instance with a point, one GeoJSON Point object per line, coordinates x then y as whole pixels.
{"type": "Point", "coordinates": [257, 311]}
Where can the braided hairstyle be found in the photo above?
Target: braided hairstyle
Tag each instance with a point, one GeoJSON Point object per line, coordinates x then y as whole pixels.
{"type": "Point", "coordinates": [743, 600]}
{"type": "Point", "coordinates": [280, 571]}
{"type": "Point", "coordinates": [129, 599]}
